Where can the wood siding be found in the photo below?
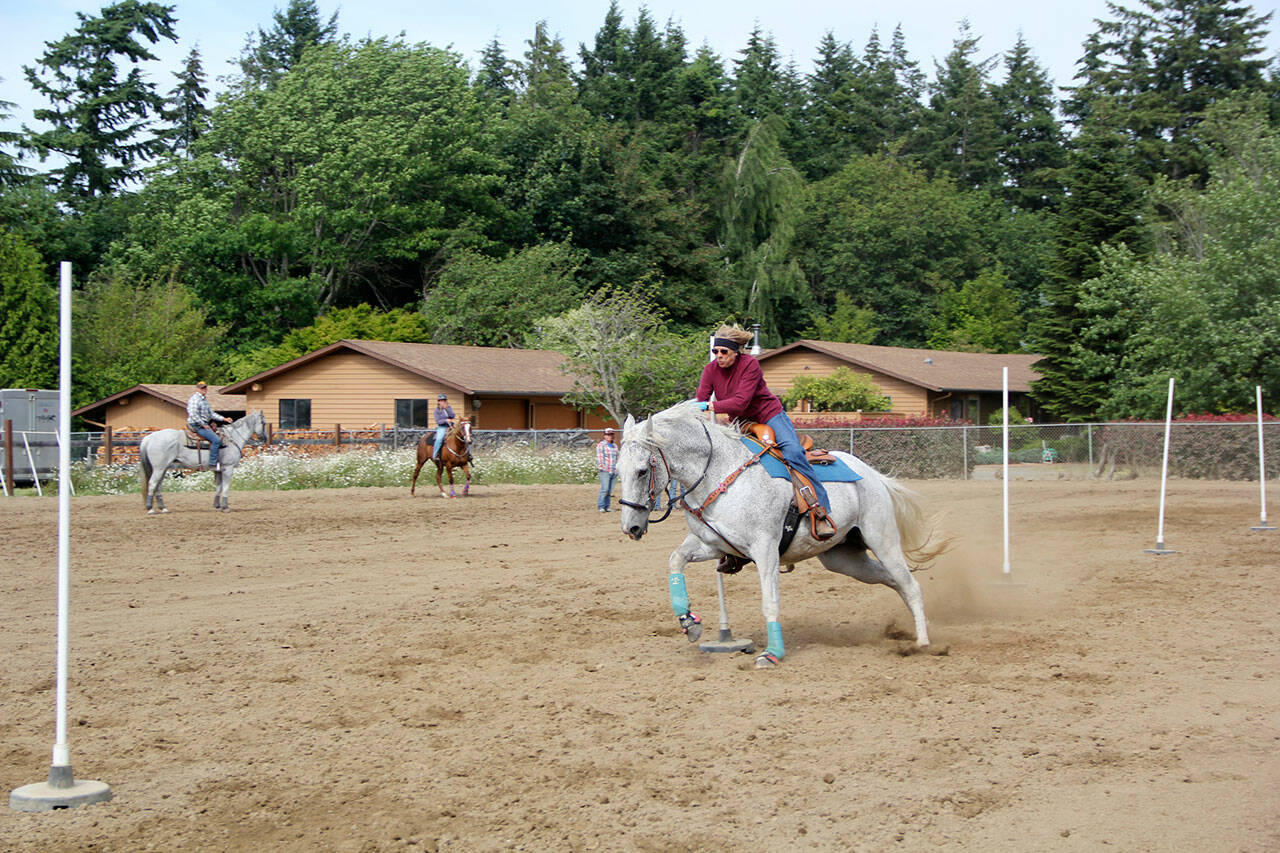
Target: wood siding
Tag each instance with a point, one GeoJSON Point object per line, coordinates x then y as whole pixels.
{"type": "Point", "coordinates": [502, 413]}
{"type": "Point", "coordinates": [350, 389]}
{"type": "Point", "coordinates": [142, 411]}
{"type": "Point", "coordinates": [359, 392]}
{"type": "Point", "coordinates": [548, 415]}
{"type": "Point", "coordinates": [781, 371]}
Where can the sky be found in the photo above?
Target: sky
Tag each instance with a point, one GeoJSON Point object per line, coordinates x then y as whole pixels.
{"type": "Point", "coordinates": [1053, 29]}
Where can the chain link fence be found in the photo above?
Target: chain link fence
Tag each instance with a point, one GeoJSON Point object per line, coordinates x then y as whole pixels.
{"type": "Point", "coordinates": [1202, 450]}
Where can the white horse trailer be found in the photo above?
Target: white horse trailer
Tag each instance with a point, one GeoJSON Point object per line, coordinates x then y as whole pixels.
{"type": "Point", "coordinates": [34, 414]}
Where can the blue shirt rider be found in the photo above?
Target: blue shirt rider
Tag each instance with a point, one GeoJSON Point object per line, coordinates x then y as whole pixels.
{"type": "Point", "coordinates": [444, 420]}
{"type": "Point", "coordinates": [201, 418]}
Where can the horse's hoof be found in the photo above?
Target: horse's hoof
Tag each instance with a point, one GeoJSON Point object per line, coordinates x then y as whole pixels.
{"type": "Point", "coordinates": [691, 625]}
{"type": "Point", "coordinates": [767, 660]}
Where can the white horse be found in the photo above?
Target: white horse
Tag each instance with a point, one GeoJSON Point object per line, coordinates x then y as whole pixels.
{"type": "Point", "coordinates": [880, 522]}
{"type": "Point", "coordinates": [167, 447]}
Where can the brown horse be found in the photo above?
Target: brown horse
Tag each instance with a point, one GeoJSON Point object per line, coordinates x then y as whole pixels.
{"type": "Point", "coordinates": [454, 453]}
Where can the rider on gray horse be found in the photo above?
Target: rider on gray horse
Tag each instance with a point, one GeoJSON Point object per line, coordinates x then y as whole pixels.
{"type": "Point", "coordinates": [201, 418]}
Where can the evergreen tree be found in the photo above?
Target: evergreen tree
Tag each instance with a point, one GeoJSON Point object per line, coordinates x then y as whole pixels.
{"type": "Point", "coordinates": [11, 171]}
{"type": "Point", "coordinates": [960, 132]}
{"type": "Point", "coordinates": [28, 318]}
{"type": "Point", "coordinates": [1163, 64]}
{"type": "Point", "coordinates": [630, 73]}
{"type": "Point", "coordinates": [602, 87]}
{"type": "Point", "coordinates": [495, 81]}
{"type": "Point", "coordinates": [1105, 206]}
{"type": "Point", "coordinates": [886, 109]}
{"type": "Point", "coordinates": [762, 197]}
{"type": "Point", "coordinates": [544, 78]}
{"type": "Point", "coordinates": [1033, 147]}
{"type": "Point", "coordinates": [186, 105]}
{"type": "Point", "coordinates": [830, 132]}
{"type": "Point", "coordinates": [100, 122]}
{"type": "Point", "coordinates": [268, 55]}
{"type": "Point", "coordinates": [758, 80]}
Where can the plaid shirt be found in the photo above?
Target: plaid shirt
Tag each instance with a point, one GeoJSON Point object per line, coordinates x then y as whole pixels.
{"type": "Point", "coordinates": [607, 457]}
{"type": "Point", "coordinates": [198, 411]}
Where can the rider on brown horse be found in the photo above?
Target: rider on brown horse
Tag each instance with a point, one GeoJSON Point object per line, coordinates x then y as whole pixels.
{"type": "Point", "coordinates": [444, 419]}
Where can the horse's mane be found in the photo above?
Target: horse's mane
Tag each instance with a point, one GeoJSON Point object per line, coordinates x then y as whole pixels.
{"type": "Point", "coordinates": [662, 425]}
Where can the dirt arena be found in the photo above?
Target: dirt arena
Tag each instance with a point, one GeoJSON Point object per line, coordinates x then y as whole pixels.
{"type": "Point", "coordinates": [358, 670]}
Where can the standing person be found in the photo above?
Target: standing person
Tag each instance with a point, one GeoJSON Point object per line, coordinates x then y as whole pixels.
{"type": "Point", "coordinates": [607, 466]}
{"type": "Point", "coordinates": [444, 419]}
{"type": "Point", "coordinates": [738, 383]}
{"type": "Point", "coordinates": [201, 418]}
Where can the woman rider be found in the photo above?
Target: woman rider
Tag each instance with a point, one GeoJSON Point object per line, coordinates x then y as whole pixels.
{"type": "Point", "coordinates": [738, 384]}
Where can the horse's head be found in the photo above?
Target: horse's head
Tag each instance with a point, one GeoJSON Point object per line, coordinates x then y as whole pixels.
{"type": "Point", "coordinates": [637, 477]}
{"type": "Point", "coordinates": [257, 424]}
{"type": "Point", "coordinates": [464, 429]}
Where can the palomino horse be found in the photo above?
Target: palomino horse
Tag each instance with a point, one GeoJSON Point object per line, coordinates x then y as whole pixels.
{"type": "Point", "coordinates": [874, 515]}
{"type": "Point", "coordinates": [454, 453]}
{"type": "Point", "coordinates": [167, 447]}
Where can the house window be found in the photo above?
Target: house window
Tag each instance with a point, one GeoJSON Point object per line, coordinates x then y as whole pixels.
{"type": "Point", "coordinates": [295, 414]}
{"type": "Point", "coordinates": [413, 413]}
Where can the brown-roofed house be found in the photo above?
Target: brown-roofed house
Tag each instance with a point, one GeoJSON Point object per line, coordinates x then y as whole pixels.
{"type": "Point", "coordinates": [155, 406]}
{"type": "Point", "coordinates": [357, 384]}
{"type": "Point", "coordinates": [933, 383]}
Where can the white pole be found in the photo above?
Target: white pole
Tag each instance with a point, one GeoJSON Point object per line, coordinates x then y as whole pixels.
{"type": "Point", "coordinates": [1005, 472]}
{"type": "Point", "coordinates": [61, 752]}
{"type": "Point", "coordinates": [1262, 467]}
{"type": "Point", "coordinates": [62, 790]}
{"type": "Point", "coordinates": [1164, 475]}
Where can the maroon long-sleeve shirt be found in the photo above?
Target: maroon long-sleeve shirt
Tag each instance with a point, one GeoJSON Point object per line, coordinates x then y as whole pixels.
{"type": "Point", "coordinates": [740, 391]}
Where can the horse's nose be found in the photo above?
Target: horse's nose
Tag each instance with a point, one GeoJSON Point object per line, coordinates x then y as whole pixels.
{"type": "Point", "coordinates": [635, 531]}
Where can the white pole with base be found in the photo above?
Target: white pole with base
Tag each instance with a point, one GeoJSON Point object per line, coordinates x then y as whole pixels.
{"type": "Point", "coordinates": [725, 641]}
{"type": "Point", "coordinates": [63, 790]}
{"type": "Point", "coordinates": [1004, 400]}
{"type": "Point", "coordinates": [1262, 467]}
{"type": "Point", "coordinates": [1164, 476]}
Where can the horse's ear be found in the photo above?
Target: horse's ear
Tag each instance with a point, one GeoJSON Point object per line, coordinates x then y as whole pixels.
{"type": "Point", "coordinates": [629, 424]}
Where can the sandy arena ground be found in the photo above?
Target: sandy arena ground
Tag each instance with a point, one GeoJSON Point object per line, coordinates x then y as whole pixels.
{"type": "Point", "coordinates": [358, 670]}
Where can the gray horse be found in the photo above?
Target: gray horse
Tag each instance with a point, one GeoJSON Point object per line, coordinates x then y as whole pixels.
{"type": "Point", "coordinates": [879, 521]}
{"type": "Point", "coordinates": [167, 447]}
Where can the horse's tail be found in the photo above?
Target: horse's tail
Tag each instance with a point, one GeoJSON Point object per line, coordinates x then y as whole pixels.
{"type": "Point", "coordinates": [144, 467]}
{"type": "Point", "coordinates": [915, 528]}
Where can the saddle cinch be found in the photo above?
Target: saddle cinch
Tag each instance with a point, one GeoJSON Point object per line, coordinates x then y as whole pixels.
{"type": "Point", "coordinates": [820, 524]}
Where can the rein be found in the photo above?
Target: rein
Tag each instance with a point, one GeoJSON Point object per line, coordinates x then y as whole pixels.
{"type": "Point", "coordinates": [653, 478]}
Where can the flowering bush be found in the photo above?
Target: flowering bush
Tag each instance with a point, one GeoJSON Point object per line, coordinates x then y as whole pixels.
{"type": "Point", "coordinates": [293, 467]}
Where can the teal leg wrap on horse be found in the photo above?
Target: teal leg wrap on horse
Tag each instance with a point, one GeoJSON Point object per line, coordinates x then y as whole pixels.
{"type": "Point", "coordinates": [679, 595]}
{"type": "Point", "coordinates": [774, 632]}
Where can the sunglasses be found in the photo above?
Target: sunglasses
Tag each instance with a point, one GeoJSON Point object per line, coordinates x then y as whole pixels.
{"type": "Point", "coordinates": [721, 351]}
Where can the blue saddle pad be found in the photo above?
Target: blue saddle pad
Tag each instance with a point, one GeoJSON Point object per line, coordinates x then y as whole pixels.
{"type": "Point", "coordinates": [835, 472]}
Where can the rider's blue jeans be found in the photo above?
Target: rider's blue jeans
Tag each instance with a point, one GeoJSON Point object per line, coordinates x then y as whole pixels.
{"type": "Point", "coordinates": [215, 443]}
{"type": "Point", "coordinates": [789, 443]}
{"type": "Point", "coordinates": [440, 433]}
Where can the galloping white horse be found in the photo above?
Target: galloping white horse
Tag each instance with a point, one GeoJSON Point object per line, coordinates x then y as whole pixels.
{"type": "Point", "coordinates": [874, 515]}
{"type": "Point", "coordinates": [166, 447]}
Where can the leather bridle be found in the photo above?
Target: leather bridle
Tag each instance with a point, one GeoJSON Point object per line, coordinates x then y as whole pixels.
{"type": "Point", "coordinates": [655, 454]}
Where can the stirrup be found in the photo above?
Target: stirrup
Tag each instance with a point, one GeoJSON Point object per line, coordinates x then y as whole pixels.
{"type": "Point", "coordinates": [818, 515]}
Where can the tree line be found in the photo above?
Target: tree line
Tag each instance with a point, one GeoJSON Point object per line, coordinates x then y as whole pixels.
{"type": "Point", "coordinates": [1125, 225]}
